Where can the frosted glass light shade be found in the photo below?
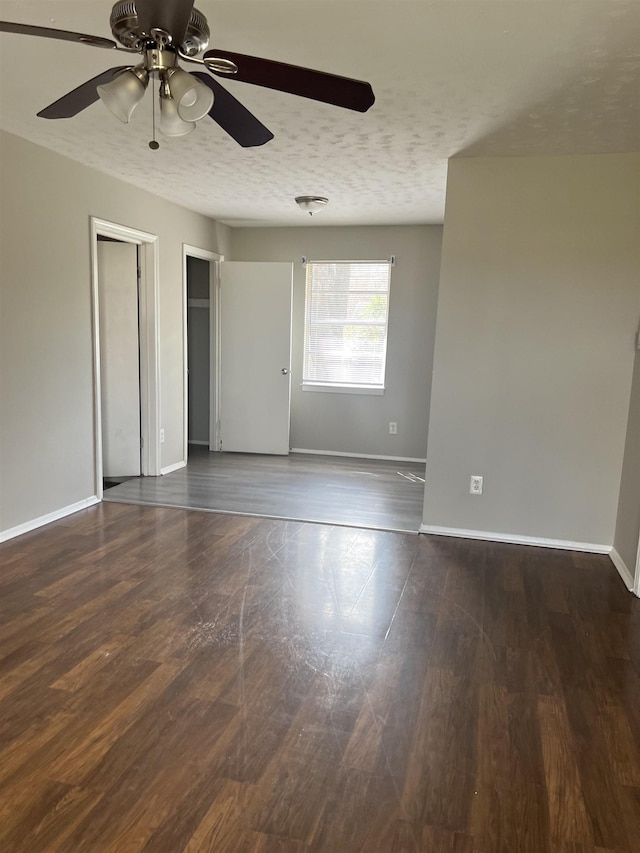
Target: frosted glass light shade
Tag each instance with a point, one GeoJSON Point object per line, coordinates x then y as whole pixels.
{"type": "Point", "coordinates": [123, 93]}
{"type": "Point", "coordinates": [170, 122]}
{"type": "Point", "coordinates": [193, 98]}
{"type": "Point", "coordinates": [311, 203]}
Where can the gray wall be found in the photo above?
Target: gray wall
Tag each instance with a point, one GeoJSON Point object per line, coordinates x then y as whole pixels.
{"type": "Point", "coordinates": [356, 423]}
{"type": "Point", "coordinates": [46, 419]}
{"type": "Point", "coordinates": [538, 307]}
{"type": "Point", "coordinates": [628, 519]}
{"type": "Point", "coordinates": [198, 350]}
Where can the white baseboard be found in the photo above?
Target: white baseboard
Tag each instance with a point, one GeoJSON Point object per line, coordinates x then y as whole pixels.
{"type": "Point", "coordinates": [515, 539]}
{"type": "Point", "coordinates": [204, 443]}
{"type": "Point", "coordinates": [12, 532]}
{"type": "Point", "coordinates": [358, 455]}
{"type": "Point", "coordinates": [623, 570]}
{"type": "Point", "coordinates": [175, 467]}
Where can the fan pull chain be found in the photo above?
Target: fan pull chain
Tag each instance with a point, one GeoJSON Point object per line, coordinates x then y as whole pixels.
{"type": "Point", "coordinates": [154, 145]}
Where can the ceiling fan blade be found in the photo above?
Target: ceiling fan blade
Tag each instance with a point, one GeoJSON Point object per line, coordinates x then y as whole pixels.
{"type": "Point", "coordinates": [233, 117]}
{"type": "Point", "coordinates": [317, 85]}
{"type": "Point", "coordinates": [80, 98]}
{"type": "Point", "coordinates": [172, 16]}
{"type": "Point", "coordinates": [49, 33]}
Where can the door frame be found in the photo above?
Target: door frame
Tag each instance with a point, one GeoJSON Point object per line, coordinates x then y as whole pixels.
{"type": "Point", "coordinates": [213, 259]}
{"type": "Point", "coordinates": [149, 345]}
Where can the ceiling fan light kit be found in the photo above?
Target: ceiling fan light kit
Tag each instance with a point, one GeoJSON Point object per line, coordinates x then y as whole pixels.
{"type": "Point", "coordinates": [171, 124]}
{"type": "Point", "coordinates": [124, 92]}
{"type": "Point", "coordinates": [165, 31]}
{"type": "Point", "coordinates": [193, 99]}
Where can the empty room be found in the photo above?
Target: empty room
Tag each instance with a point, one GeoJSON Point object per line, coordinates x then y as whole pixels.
{"type": "Point", "coordinates": [320, 426]}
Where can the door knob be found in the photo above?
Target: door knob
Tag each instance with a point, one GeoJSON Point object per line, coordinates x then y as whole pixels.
{"type": "Point", "coordinates": [284, 371]}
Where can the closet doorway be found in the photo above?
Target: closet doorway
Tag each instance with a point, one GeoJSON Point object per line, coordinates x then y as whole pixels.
{"type": "Point", "coordinates": [141, 423]}
{"type": "Point", "coordinates": [200, 298]}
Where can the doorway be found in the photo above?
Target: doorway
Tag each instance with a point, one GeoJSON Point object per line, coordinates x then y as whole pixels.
{"type": "Point", "coordinates": [200, 338]}
{"type": "Point", "coordinates": [146, 428]}
{"type": "Point", "coordinates": [118, 295]}
{"type": "Point", "coordinates": [249, 363]}
{"type": "Point", "coordinates": [200, 370]}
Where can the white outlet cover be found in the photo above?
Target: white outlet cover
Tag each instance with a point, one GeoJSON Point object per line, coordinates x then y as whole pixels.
{"type": "Point", "coordinates": [475, 487]}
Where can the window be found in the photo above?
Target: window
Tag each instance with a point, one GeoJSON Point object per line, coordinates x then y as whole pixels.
{"type": "Point", "coordinates": [345, 326]}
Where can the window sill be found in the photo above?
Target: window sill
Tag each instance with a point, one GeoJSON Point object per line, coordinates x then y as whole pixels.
{"type": "Point", "coordinates": [342, 389]}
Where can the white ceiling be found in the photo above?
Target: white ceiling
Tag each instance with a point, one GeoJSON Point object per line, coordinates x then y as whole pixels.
{"type": "Point", "coordinates": [451, 78]}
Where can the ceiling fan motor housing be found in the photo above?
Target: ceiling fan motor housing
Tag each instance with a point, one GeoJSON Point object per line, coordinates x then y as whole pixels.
{"type": "Point", "coordinates": [124, 26]}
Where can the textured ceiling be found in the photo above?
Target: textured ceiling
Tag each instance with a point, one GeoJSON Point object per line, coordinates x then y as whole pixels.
{"type": "Point", "coordinates": [451, 78]}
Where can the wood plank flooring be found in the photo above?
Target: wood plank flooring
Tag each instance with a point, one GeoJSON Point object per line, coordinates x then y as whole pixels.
{"type": "Point", "coordinates": [372, 493]}
{"type": "Point", "coordinates": [186, 681]}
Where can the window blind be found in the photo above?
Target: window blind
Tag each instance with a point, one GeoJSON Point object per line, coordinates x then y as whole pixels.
{"type": "Point", "coordinates": [346, 317]}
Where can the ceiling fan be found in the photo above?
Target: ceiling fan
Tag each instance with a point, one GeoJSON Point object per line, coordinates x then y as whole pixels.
{"type": "Point", "coordinates": [166, 31]}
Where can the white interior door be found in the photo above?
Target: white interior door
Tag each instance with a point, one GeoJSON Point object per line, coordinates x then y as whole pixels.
{"type": "Point", "coordinates": [119, 358]}
{"type": "Point", "coordinates": [255, 356]}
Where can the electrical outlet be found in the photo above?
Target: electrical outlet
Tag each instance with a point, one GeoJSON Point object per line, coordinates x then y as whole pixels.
{"type": "Point", "coordinates": [161, 436]}
{"type": "Point", "coordinates": [393, 428]}
{"type": "Point", "coordinates": [475, 487]}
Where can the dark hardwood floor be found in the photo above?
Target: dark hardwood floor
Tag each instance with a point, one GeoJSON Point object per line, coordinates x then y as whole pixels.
{"type": "Point", "coordinates": [174, 681]}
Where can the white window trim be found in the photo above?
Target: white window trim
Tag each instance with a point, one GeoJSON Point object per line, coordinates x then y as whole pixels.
{"type": "Point", "coordinates": [350, 388]}
{"type": "Point", "coordinates": [324, 388]}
